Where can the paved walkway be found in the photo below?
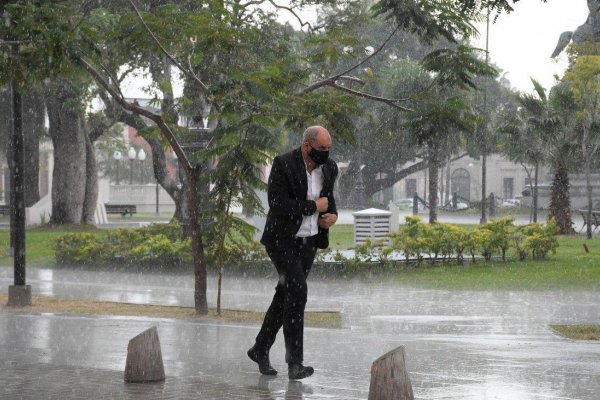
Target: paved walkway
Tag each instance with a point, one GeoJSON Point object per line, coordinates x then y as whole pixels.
{"type": "Point", "coordinates": [460, 345]}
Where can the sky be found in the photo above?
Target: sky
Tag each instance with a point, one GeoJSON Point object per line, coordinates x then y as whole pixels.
{"type": "Point", "coordinates": [520, 43]}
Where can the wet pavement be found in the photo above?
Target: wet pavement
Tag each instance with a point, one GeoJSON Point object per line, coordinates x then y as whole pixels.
{"type": "Point", "coordinates": [459, 344]}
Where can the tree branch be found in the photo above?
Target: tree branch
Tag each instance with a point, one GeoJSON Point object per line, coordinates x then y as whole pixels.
{"type": "Point", "coordinates": [390, 102]}
{"type": "Point", "coordinates": [157, 119]}
{"type": "Point", "coordinates": [187, 72]}
{"type": "Point", "coordinates": [335, 77]}
{"type": "Point", "coordinates": [351, 79]}
{"type": "Point", "coordinates": [391, 179]}
{"type": "Point", "coordinates": [293, 12]}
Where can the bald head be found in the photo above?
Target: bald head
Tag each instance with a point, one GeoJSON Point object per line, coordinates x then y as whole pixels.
{"type": "Point", "coordinates": [314, 134]}
{"type": "Point", "coordinates": [316, 140]}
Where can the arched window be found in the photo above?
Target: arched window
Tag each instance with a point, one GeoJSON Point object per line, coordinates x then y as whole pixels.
{"type": "Point", "coordinates": [461, 183]}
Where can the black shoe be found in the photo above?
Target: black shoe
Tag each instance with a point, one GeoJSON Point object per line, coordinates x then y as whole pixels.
{"type": "Point", "coordinates": [264, 366]}
{"type": "Point", "coordinates": [299, 371]}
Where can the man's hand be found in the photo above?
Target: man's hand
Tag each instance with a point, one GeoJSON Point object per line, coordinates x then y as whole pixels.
{"type": "Point", "coordinates": [322, 204]}
{"type": "Point", "coordinates": [327, 220]}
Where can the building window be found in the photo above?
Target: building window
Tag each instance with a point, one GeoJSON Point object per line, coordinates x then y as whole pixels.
{"type": "Point", "coordinates": [508, 188]}
{"type": "Point", "coordinates": [461, 183]}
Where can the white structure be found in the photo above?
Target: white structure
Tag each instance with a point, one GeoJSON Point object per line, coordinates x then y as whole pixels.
{"type": "Point", "coordinates": [503, 178]}
{"type": "Point", "coordinates": [373, 224]}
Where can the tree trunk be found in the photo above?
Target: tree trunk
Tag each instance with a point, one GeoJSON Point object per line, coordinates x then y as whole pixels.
{"type": "Point", "coordinates": [535, 192]}
{"type": "Point", "coordinates": [68, 139]}
{"type": "Point", "coordinates": [200, 300]}
{"type": "Point", "coordinates": [442, 187]}
{"type": "Point", "coordinates": [433, 182]}
{"type": "Point", "coordinates": [91, 183]}
{"type": "Point", "coordinates": [33, 127]}
{"type": "Point", "coordinates": [448, 164]}
{"type": "Point", "coordinates": [159, 165]}
{"type": "Point", "coordinates": [560, 202]}
{"type": "Point", "coordinates": [588, 186]}
{"type": "Point", "coordinates": [483, 219]}
{"type": "Point", "coordinates": [160, 68]}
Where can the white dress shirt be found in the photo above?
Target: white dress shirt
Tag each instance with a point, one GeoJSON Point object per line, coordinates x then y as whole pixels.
{"type": "Point", "coordinates": [314, 180]}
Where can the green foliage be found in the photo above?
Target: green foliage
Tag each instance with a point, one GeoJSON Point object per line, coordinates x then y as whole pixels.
{"type": "Point", "coordinates": [158, 249]}
{"type": "Point", "coordinates": [411, 238]}
{"type": "Point", "coordinates": [495, 236]}
{"type": "Point", "coordinates": [81, 248]}
{"type": "Point", "coordinates": [537, 240]}
{"type": "Point", "coordinates": [372, 251]}
{"type": "Point", "coordinates": [417, 240]}
{"type": "Point", "coordinates": [154, 245]}
{"type": "Point", "coordinates": [457, 67]}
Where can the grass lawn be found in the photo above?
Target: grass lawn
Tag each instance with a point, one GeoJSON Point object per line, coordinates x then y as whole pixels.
{"type": "Point", "coordinates": [38, 244]}
{"type": "Point", "coordinates": [341, 236]}
{"type": "Point", "coordinates": [578, 332]}
{"type": "Point", "coordinates": [43, 304]}
{"type": "Point", "coordinates": [571, 268]}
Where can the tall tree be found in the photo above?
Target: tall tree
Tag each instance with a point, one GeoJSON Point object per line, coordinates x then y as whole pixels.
{"type": "Point", "coordinates": [583, 78]}
{"type": "Point", "coordinates": [524, 129]}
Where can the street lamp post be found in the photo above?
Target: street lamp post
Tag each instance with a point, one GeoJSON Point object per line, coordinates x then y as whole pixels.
{"type": "Point", "coordinates": [19, 294]}
{"type": "Point", "coordinates": [117, 156]}
{"type": "Point", "coordinates": [131, 154]}
{"type": "Point", "coordinates": [142, 156]}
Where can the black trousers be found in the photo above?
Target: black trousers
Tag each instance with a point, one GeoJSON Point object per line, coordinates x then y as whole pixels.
{"type": "Point", "coordinates": [293, 262]}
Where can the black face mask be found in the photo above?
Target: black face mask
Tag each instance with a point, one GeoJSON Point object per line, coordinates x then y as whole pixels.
{"type": "Point", "coordinates": [319, 157]}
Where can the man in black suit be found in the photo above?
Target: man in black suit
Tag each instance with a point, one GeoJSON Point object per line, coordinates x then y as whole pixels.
{"type": "Point", "coordinates": [301, 211]}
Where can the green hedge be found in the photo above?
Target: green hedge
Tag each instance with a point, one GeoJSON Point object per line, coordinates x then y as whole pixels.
{"type": "Point", "coordinates": [164, 245]}
{"type": "Point", "coordinates": [450, 243]}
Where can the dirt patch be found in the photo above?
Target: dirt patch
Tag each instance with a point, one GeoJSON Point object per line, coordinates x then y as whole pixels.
{"type": "Point", "coordinates": [55, 305]}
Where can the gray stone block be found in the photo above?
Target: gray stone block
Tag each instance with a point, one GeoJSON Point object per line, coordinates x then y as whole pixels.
{"type": "Point", "coordinates": [144, 358]}
{"type": "Point", "coordinates": [389, 378]}
{"type": "Point", "coordinates": [19, 295]}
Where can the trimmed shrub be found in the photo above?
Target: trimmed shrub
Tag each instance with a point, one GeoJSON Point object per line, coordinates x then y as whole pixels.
{"type": "Point", "coordinates": [82, 248]}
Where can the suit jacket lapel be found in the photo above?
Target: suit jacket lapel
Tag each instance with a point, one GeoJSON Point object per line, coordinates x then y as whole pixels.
{"type": "Point", "coordinates": [301, 173]}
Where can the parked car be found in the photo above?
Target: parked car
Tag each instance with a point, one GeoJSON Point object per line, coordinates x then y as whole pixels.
{"type": "Point", "coordinates": [407, 204]}
{"type": "Point", "coordinates": [461, 206]}
{"type": "Point", "coordinates": [511, 203]}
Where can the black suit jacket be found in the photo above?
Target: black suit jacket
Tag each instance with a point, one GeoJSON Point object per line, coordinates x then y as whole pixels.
{"type": "Point", "coordinates": [287, 199]}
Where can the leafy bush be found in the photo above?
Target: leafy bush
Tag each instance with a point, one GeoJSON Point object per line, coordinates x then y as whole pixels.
{"type": "Point", "coordinates": [372, 251]}
{"type": "Point", "coordinates": [82, 248]}
{"type": "Point", "coordinates": [537, 240]}
{"type": "Point", "coordinates": [157, 244]}
{"type": "Point", "coordinates": [160, 250]}
{"type": "Point", "coordinates": [415, 239]}
{"type": "Point", "coordinates": [495, 236]}
{"type": "Point", "coordinates": [411, 239]}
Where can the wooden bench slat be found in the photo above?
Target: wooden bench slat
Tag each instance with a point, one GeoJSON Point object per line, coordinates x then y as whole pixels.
{"type": "Point", "coordinates": [122, 209]}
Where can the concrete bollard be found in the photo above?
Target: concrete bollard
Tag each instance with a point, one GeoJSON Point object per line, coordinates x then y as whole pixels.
{"type": "Point", "coordinates": [144, 358]}
{"type": "Point", "coordinates": [389, 378]}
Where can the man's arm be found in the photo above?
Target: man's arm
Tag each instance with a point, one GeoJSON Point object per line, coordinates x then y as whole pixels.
{"type": "Point", "coordinates": [329, 218]}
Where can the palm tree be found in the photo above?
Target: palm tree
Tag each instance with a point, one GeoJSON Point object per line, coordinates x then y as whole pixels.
{"type": "Point", "coordinates": [524, 135]}
{"type": "Point", "coordinates": [541, 132]}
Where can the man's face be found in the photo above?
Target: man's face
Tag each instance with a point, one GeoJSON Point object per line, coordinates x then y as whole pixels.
{"type": "Point", "coordinates": [322, 142]}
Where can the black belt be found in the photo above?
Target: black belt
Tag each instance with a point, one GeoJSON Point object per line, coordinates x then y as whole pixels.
{"type": "Point", "coordinates": [305, 240]}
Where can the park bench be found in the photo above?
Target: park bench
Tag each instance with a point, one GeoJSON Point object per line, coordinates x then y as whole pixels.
{"type": "Point", "coordinates": [594, 222]}
{"type": "Point", "coordinates": [122, 209]}
{"type": "Point", "coordinates": [4, 209]}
